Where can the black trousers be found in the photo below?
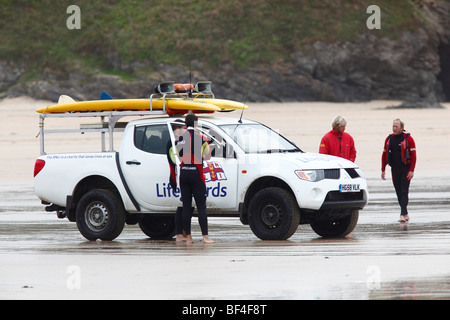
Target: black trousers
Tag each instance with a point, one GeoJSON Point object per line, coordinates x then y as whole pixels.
{"type": "Point", "coordinates": [179, 219]}
{"type": "Point", "coordinates": [192, 185]}
{"type": "Point", "coordinates": [401, 185]}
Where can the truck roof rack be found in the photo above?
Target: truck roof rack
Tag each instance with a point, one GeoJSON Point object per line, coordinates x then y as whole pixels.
{"type": "Point", "coordinates": [109, 119]}
{"type": "Point", "coordinates": [109, 123]}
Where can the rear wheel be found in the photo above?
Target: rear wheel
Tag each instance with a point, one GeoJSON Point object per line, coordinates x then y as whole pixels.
{"type": "Point", "coordinates": [273, 214]}
{"type": "Point", "coordinates": [158, 227]}
{"type": "Point", "coordinates": [339, 227]}
{"type": "Point", "coordinates": [100, 215]}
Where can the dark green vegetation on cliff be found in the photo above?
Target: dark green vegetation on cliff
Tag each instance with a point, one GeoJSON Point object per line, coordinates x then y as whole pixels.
{"type": "Point", "coordinates": [267, 50]}
{"type": "Point", "coordinates": [240, 32]}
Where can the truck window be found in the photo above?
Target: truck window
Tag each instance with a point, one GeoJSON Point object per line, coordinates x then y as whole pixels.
{"type": "Point", "coordinates": [216, 142]}
{"type": "Point", "coordinates": [257, 138]}
{"type": "Point", "coordinates": [152, 138]}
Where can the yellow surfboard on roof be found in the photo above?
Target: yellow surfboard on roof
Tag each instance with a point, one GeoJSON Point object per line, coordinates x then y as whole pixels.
{"type": "Point", "coordinates": [129, 104]}
{"type": "Point", "coordinates": [224, 104]}
{"type": "Point", "coordinates": [165, 98]}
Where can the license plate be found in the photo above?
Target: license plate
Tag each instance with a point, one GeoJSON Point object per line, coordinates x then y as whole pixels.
{"type": "Point", "coordinates": [351, 187]}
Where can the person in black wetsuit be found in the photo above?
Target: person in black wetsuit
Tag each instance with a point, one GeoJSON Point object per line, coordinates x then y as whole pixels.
{"type": "Point", "coordinates": [179, 128]}
{"type": "Point", "coordinates": [400, 153]}
{"type": "Point", "coordinates": [193, 148]}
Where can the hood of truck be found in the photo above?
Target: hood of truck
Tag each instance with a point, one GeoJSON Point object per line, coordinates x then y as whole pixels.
{"type": "Point", "coordinates": [307, 160]}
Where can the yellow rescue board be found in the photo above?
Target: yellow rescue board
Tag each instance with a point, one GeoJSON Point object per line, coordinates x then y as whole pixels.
{"type": "Point", "coordinates": [224, 104]}
{"type": "Point", "coordinates": [130, 104]}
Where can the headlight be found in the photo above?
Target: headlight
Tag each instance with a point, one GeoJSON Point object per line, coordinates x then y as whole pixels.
{"type": "Point", "coordinates": [310, 175]}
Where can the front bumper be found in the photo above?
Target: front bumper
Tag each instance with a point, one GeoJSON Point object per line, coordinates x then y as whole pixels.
{"type": "Point", "coordinates": [326, 194]}
{"type": "Point", "coordinates": [339, 200]}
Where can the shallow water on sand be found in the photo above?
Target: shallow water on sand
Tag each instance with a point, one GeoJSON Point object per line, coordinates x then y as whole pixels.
{"type": "Point", "coordinates": [381, 259]}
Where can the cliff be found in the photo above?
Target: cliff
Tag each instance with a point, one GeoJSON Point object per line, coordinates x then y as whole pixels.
{"type": "Point", "coordinates": [263, 51]}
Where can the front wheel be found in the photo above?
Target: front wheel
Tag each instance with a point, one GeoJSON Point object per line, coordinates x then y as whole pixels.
{"type": "Point", "coordinates": [337, 227]}
{"type": "Point", "coordinates": [273, 214]}
{"type": "Point", "coordinates": [100, 215]}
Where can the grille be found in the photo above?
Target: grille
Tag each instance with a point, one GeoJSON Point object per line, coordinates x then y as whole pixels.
{"type": "Point", "coordinates": [352, 173]}
{"type": "Point", "coordinates": [332, 174]}
{"type": "Point", "coordinates": [336, 173]}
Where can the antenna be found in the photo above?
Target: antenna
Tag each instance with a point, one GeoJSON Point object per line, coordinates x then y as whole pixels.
{"type": "Point", "coordinates": [242, 112]}
{"type": "Point", "coordinates": [190, 84]}
{"type": "Point", "coordinates": [190, 80]}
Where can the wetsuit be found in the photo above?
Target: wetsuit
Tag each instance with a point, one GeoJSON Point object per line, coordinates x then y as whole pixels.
{"type": "Point", "coordinates": [192, 148]}
{"type": "Point", "coordinates": [400, 153]}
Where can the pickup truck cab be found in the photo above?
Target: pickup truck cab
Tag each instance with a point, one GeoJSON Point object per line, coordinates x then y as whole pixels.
{"type": "Point", "coordinates": [254, 174]}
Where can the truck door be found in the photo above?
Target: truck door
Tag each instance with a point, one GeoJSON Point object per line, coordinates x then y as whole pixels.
{"type": "Point", "coordinates": [220, 173]}
{"type": "Point", "coordinates": [146, 169]}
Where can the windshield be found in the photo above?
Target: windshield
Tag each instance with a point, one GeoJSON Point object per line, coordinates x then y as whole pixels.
{"type": "Point", "coordinates": [257, 138]}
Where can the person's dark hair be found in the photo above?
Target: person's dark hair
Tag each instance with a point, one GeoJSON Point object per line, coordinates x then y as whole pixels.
{"type": "Point", "coordinates": [178, 124]}
{"type": "Point", "coordinates": [190, 120]}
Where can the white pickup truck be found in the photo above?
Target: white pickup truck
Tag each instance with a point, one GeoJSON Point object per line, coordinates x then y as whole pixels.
{"type": "Point", "coordinates": [254, 174]}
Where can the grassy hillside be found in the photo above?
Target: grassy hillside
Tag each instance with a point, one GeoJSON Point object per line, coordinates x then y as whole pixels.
{"type": "Point", "coordinates": [241, 32]}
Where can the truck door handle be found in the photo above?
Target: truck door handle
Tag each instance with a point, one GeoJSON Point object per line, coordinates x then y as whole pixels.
{"type": "Point", "coordinates": [133, 162]}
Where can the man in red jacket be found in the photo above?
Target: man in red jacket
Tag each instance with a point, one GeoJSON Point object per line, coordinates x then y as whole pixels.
{"type": "Point", "coordinates": [400, 153]}
{"type": "Point", "coordinates": [337, 142]}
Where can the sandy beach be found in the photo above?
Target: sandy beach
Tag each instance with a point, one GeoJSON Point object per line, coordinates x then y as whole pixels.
{"type": "Point", "coordinates": [303, 123]}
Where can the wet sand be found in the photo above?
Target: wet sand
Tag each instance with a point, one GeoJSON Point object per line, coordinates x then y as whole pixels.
{"type": "Point", "coordinates": [42, 257]}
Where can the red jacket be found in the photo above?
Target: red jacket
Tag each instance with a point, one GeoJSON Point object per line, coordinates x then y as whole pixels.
{"type": "Point", "coordinates": [338, 144]}
{"type": "Point", "coordinates": [408, 146]}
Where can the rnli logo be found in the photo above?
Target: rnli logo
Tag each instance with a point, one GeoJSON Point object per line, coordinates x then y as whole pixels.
{"type": "Point", "coordinates": [213, 171]}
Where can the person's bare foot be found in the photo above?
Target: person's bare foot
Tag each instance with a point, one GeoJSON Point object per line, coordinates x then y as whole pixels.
{"type": "Point", "coordinates": [207, 239]}
{"type": "Point", "coordinates": [180, 238]}
{"type": "Point", "coordinates": [189, 239]}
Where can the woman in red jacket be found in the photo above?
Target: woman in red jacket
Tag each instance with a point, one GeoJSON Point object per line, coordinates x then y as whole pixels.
{"type": "Point", "coordinates": [400, 153]}
{"type": "Point", "coordinates": [337, 142]}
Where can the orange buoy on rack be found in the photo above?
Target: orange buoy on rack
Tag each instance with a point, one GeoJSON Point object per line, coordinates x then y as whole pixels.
{"type": "Point", "coordinates": [183, 87]}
